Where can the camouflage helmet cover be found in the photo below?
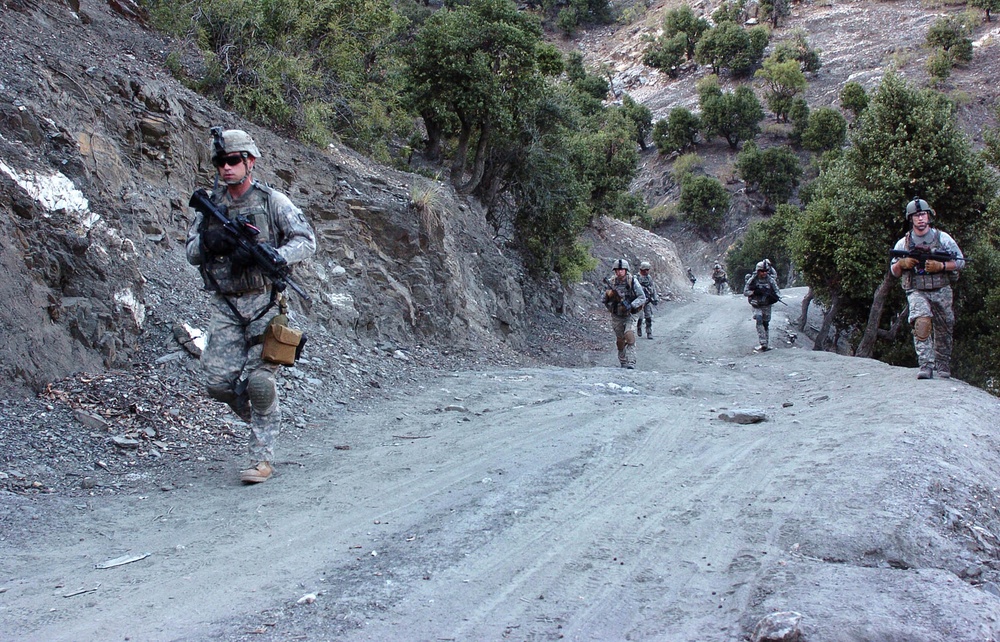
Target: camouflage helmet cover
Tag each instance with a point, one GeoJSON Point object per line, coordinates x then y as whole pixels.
{"type": "Point", "coordinates": [762, 267]}
{"type": "Point", "coordinates": [645, 265]}
{"type": "Point", "coordinates": [916, 206]}
{"type": "Point", "coordinates": [620, 264]}
{"type": "Point", "coordinates": [237, 140]}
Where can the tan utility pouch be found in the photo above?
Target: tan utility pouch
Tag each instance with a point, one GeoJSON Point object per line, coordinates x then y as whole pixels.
{"type": "Point", "coordinates": [282, 344]}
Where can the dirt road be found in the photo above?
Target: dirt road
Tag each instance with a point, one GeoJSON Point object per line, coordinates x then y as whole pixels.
{"type": "Point", "coordinates": [551, 503]}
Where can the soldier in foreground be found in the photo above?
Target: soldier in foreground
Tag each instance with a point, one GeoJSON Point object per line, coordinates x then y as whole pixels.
{"type": "Point", "coordinates": [649, 288]}
{"type": "Point", "coordinates": [928, 262]}
{"type": "Point", "coordinates": [762, 292]}
{"type": "Point", "coordinates": [624, 298]}
{"type": "Point", "coordinates": [242, 294]}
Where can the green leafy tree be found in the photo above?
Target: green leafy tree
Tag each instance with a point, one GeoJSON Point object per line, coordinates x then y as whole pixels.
{"type": "Point", "coordinates": [472, 71]}
{"type": "Point", "coordinates": [905, 143]}
{"type": "Point", "coordinates": [951, 34]}
{"type": "Point", "coordinates": [683, 21]}
{"type": "Point", "coordinates": [704, 202]}
{"type": "Point", "coordinates": [764, 238]}
{"type": "Point", "coordinates": [782, 82]}
{"type": "Point", "coordinates": [988, 6]}
{"type": "Point", "coordinates": [853, 98]}
{"type": "Point", "coordinates": [730, 11]}
{"type": "Point", "coordinates": [666, 54]}
{"type": "Point", "coordinates": [826, 129]}
{"type": "Point", "coordinates": [604, 153]}
{"type": "Point", "coordinates": [733, 115]}
{"type": "Point", "coordinates": [641, 118]}
{"type": "Point", "coordinates": [678, 132]}
{"type": "Point", "coordinates": [729, 46]}
{"type": "Point", "coordinates": [774, 172]}
{"type": "Point", "coordinates": [798, 114]}
{"type": "Point", "coordinates": [796, 47]}
{"type": "Point", "coordinates": [316, 70]}
{"type": "Point", "coordinates": [776, 10]}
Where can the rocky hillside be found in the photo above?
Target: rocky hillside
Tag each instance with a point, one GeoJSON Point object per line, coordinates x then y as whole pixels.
{"type": "Point", "coordinates": [100, 149]}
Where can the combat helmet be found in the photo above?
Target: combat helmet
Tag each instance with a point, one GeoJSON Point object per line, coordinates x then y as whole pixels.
{"type": "Point", "coordinates": [916, 206]}
{"type": "Point", "coordinates": [620, 264]}
{"type": "Point", "coordinates": [644, 266]}
{"type": "Point", "coordinates": [230, 141]}
{"type": "Point", "coordinates": [762, 267]}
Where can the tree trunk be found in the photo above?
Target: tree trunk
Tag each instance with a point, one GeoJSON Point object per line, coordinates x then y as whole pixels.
{"type": "Point", "coordinates": [824, 331]}
{"type": "Point", "coordinates": [461, 153]}
{"type": "Point", "coordinates": [479, 165]}
{"type": "Point", "coordinates": [867, 345]}
{"type": "Point", "coordinates": [803, 319]}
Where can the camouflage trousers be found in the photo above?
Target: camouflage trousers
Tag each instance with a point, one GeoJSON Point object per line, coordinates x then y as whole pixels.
{"type": "Point", "coordinates": [934, 351]}
{"type": "Point", "coordinates": [647, 311]}
{"type": "Point", "coordinates": [624, 328]}
{"type": "Point", "coordinates": [235, 374]}
{"type": "Point", "coordinates": [762, 315]}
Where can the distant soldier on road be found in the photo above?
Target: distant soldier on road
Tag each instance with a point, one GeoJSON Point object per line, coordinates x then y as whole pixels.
{"type": "Point", "coordinates": [652, 298]}
{"type": "Point", "coordinates": [720, 278]}
{"type": "Point", "coordinates": [624, 298]}
{"type": "Point", "coordinates": [762, 292]}
{"type": "Point", "coordinates": [928, 289]}
{"type": "Point", "coordinates": [691, 278]}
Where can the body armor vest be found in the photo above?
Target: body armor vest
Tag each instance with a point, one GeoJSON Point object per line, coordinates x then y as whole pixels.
{"type": "Point", "coordinates": [627, 292]}
{"type": "Point", "coordinates": [219, 272]}
{"type": "Point", "coordinates": [913, 280]}
{"type": "Point", "coordinates": [647, 284]}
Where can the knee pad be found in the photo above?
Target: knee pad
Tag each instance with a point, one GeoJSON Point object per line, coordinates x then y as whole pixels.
{"type": "Point", "coordinates": [630, 338]}
{"type": "Point", "coordinates": [261, 389]}
{"type": "Point", "coordinates": [922, 328]}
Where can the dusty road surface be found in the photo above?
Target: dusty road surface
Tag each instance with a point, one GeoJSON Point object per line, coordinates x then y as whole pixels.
{"type": "Point", "coordinates": [551, 503]}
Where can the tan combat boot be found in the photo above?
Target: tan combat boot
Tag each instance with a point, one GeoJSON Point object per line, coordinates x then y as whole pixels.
{"type": "Point", "coordinates": [258, 473]}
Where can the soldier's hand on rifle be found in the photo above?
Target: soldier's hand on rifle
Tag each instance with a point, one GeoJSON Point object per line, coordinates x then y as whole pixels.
{"type": "Point", "coordinates": [241, 256]}
{"type": "Point", "coordinates": [217, 241]}
{"type": "Point", "coordinates": [933, 267]}
{"type": "Point", "coordinates": [271, 251]}
{"type": "Point", "coordinates": [907, 263]}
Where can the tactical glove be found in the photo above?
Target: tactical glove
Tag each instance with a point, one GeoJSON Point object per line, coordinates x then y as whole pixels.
{"type": "Point", "coordinates": [241, 256]}
{"type": "Point", "coordinates": [217, 241]}
{"type": "Point", "coordinates": [907, 263]}
{"type": "Point", "coordinates": [933, 267]}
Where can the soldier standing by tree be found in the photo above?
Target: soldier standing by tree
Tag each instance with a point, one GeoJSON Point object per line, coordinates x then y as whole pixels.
{"type": "Point", "coordinates": [928, 289]}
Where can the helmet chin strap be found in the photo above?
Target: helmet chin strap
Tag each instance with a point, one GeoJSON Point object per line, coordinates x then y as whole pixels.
{"type": "Point", "coordinates": [246, 176]}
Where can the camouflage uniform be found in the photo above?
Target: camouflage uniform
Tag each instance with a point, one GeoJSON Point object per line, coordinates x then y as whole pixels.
{"type": "Point", "coordinates": [652, 298]}
{"type": "Point", "coordinates": [930, 297]}
{"type": "Point", "coordinates": [623, 315]}
{"type": "Point", "coordinates": [759, 290]}
{"type": "Point", "coordinates": [719, 277]}
{"type": "Point", "coordinates": [229, 354]}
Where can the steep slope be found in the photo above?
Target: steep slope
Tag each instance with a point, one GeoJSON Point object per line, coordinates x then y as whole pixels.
{"type": "Point", "coordinates": [86, 103]}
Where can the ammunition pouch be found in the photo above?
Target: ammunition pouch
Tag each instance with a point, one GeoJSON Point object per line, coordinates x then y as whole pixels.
{"type": "Point", "coordinates": [282, 344]}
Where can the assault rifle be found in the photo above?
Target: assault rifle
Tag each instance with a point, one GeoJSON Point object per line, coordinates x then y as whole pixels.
{"type": "Point", "coordinates": [925, 254]}
{"type": "Point", "coordinates": [264, 256]}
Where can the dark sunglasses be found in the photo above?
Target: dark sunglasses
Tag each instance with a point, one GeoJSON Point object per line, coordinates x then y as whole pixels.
{"type": "Point", "coordinates": [232, 161]}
